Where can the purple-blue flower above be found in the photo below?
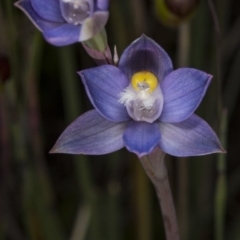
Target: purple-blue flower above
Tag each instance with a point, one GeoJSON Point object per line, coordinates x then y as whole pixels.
{"type": "Point", "coordinates": [142, 104]}
{"type": "Point", "coordinates": [63, 22]}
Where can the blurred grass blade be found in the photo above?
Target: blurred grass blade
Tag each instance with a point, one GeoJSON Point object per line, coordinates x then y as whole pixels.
{"type": "Point", "coordinates": [221, 186]}
{"type": "Point", "coordinates": [44, 197]}
{"type": "Point", "coordinates": [232, 88]}
{"type": "Point", "coordinates": [183, 173]}
{"type": "Point", "coordinates": [73, 107]}
{"type": "Point", "coordinates": [81, 224]}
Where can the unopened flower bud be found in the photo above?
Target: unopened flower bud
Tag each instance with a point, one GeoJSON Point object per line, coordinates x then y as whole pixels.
{"type": "Point", "coordinates": [181, 8]}
{"type": "Point", "coordinates": [174, 12]}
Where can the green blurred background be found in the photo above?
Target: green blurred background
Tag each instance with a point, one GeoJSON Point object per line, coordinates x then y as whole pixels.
{"type": "Point", "coordinates": [63, 197]}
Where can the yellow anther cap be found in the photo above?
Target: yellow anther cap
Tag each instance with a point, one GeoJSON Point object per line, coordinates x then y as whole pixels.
{"type": "Point", "coordinates": [144, 81]}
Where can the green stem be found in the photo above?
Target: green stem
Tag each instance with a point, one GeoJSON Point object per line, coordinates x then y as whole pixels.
{"type": "Point", "coordinates": [183, 176]}
{"type": "Point", "coordinates": [202, 168]}
{"type": "Point", "coordinates": [156, 170]}
{"type": "Point", "coordinates": [143, 203]}
{"type": "Point", "coordinates": [221, 185]}
{"type": "Point", "coordinates": [218, 58]}
{"type": "Point", "coordinates": [98, 42]}
{"type": "Point", "coordinates": [81, 223]}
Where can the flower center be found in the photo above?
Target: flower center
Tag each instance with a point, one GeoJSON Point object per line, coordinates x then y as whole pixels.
{"type": "Point", "coordinates": [144, 81]}
{"type": "Point", "coordinates": [143, 97]}
{"type": "Point", "coordinates": [75, 11]}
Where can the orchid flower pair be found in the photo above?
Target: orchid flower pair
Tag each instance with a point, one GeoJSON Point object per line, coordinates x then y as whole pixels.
{"type": "Point", "coordinates": [64, 22]}
{"type": "Point", "coordinates": [141, 104]}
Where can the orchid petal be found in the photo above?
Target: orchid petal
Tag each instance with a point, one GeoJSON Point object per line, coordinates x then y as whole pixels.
{"type": "Point", "coordinates": [104, 85]}
{"type": "Point", "coordinates": [144, 54]}
{"type": "Point", "coordinates": [191, 137]}
{"type": "Point", "coordinates": [91, 134]}
{"type": "Point", "coordinates": [141, 137]}
{"type": "Point", "coordinates": [183, 91]}
{"type": "Point", "coordinates": [102, 4]}
{"type": "Point", "coordinates": [93, 25]}
{"type": "Point", "coordinates": [48, 9]}
{"type": "Point", "coordinates": [63, 35]}
{"type": "Point", "coordinates": [41, 23]}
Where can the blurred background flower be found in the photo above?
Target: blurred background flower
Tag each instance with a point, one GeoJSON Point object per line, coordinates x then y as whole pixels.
{"type": "Point", "coordinates": [64, 22]}
{"type": "Point", "coordinates": [174, 12]}
{"type": "Point", "coordinates": [46, 197]}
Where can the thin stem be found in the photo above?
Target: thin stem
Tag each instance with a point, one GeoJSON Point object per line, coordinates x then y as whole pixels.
{"type": "Point", "coordinates": [221, 185]}
{"type": "Point", "coordinates": [183, 44]}
{"type": "Point", "coordinates": [183, 176]}
{"type": "Point", "coordinates": [218, 57]}
{"type": "Point", "coordinates": [81, 224]}
{"type": "Point", "coordinates": [97, 48]}
{"type": "Point", "coordinates": [142, 203]}
{"type": "Point", "coordinates": [155, 168]}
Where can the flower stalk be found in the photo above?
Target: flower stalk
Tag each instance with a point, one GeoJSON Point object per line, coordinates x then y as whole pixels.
{"type": "Point", "coordinates": [156, 170]}
{"type": "Point", "coordinates": [98, 42]}
{"type": "Point", "coordinates": [97, 48]}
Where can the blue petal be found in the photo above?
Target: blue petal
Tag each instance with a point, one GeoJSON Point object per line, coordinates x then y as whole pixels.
{"type": "Point", "coordinates": [91, 134]}
{"type": "Point", "coordinates": [183, 91]}
{"type": "Point", "coordinates": [93, 25]}
{"type": "Point", "coordinates": [191, 137]}
{"type": "Point", "coordinates": [63, 35]}
{"type": "Point", "coordinates": [144, 54]}
{"type": "Point", "coordinates": [39, 22]}
{"type": "Point", "coordinates": [102, 4]}
{"type": "Point", "coordinates": [104, 85]}
{"type": "Point", "coordinates": [141, 137]}
{"type": "Point", "coordinates": [48, 9]}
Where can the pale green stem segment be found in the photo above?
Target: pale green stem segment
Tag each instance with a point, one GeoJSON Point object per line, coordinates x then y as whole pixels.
{"type": "Point", "coordinates": [97, 48]}
{"type": "Point", "coordinates": [98, 42]}
{"type": "Point", "coordinates": [156, 170]}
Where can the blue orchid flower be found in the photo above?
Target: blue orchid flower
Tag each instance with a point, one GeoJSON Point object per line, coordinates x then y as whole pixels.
{"type": "Point", "coordinates": [64, 22]}
{"type": "Point", "coordinates": [142, 104]}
